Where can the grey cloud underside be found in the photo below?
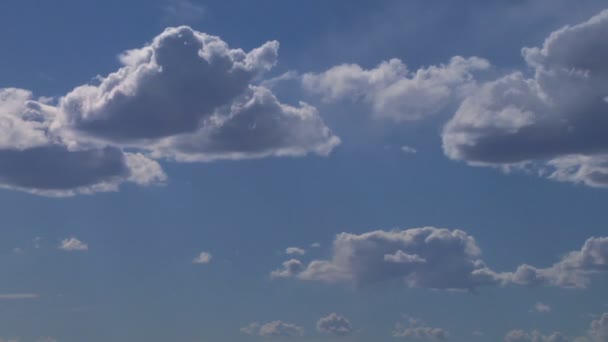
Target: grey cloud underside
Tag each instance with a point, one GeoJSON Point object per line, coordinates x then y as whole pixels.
{"type": "Point", "coordinates": [186, 96]}
{"type": "Point", "coordinates": [438, 258]}
{"type": "Point", "coordinates": [35, 160]}
{"type": "Point", "coordinates": [555, 121]}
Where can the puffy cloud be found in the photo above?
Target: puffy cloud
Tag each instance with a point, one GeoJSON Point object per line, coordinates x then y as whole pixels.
{"type": "Point", "coordinates": [598, 330]}
{"type": "Point", "coordinates": [573, 270]}
{"type": "Point", "coordinates": [256, 125]}
{"type": "Point", "coordinates": [421, 257]}
{"type": "Point", "coordinates": [186, 96]}
{"type": "Point", "coordinates": [555, 120]}
{"type": "Point", "coordinates": [166, 87]}
{"type": "Point", "coordinates": [334, 324]}
{"type": "Point", "coordinates": [295, 251]}
{"type": "Point", "coordinates": [203, 258]}
{"type": "Point", "coordinates": [73, 244]}
{"type": "Point", "coordinates": [289, 268]}
{"type": "Point", "coordinates": [393, 91]}
{"type": "Point", "coordinates": [273, 329]}
{"type": "Point", "coordinates": [437, 258]}
{"type": "Point", "coordinates": [418, 330]}
{"type": "Point", "coordinates": [534, 336]}
{"type": "Point", "coordinates": [35, 160]}
{"type": "Point", "coordinates": [541, 308]}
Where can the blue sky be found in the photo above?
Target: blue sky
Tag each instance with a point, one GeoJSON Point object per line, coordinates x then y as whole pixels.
{"type": "Point", "coordinates": [438, 169]}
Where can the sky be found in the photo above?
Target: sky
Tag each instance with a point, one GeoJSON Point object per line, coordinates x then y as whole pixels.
{"type": "Point", "coordinates": [315, 171]}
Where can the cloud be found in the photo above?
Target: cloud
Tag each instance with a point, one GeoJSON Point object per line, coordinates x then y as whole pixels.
{"type": "Point", "coordinates": [541, 308]}
{"type": "Point", "coordinates": [186, 96]}
{"type": "Point", "coordinates": [256, 125]}
{"type": "Point", "coordinates": [420, 257]}
{"type": "Point", "coordinates": [574, 270]}
{"type": "Point", "coordinates": [534, 336]}
{"type": "Point", "coordinates": [408, 149]}
{"type": "Point", "coordinates": [392, 91]}
{"type": "Point", "coordinates": [295, 251]}
{"type": "Point", "coordinates": [315, 245]}
{"type": "Point", "coordinates": [554, 121]}
{"type": "Point", "coordinates": [598, 330]}
{"type": "Point", "coordinates": [273, 329]}
{"type": "Point", "coordinates": [35, 160]}
{"type": "Point", "coordinates": [73, 244]}
{"type": "Point", "coordinates": [334, 324]}
{"type": "Point", "coordinates": [203, 258]}
{"type": "Point", "coordinates": [183, 12]}
{"type": "Point", "coordinates": [438, 258]}
{"type": "Point", "coordinates": [17, 296]}
{"type": "Point", "coordinates": [415, 329]}
{"type": "Point", "coordinates": [289, 268]}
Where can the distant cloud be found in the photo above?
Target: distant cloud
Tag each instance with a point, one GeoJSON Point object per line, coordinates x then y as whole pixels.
{"type": "Point", "coordinates": [273, 329]}
{"type": "Point", "coordinates": [295, 251]}
{"type": "Point", "coordinates": [553, 122]}
{"type": "Point", "coordinates": [203, 258]}
{"type": "Point", "coordinates": [416, 329]}
{"type": "Point", "coordinates": [289, 268]}
{"type": "Point", "coordinates": [17, 296]}
{"type": "Point", "coordinates": [534, 336]}
{"type": "Point", "coordinates": [393, 91]}
{"type": "Point", "coordinates": [183, 12]}
{"type": "Point", "coordinates": [408, 149]}
{"type": "Point", "coordinates": [541, 308]}
{"type": "Point", "coordinates": [73, 244]}
{"type": "Point", "coordinates": [315, 245]}
{"type": "Point", "coordinates": [438, 258]}
{"type": "Point", "coordinates": [334, 324]}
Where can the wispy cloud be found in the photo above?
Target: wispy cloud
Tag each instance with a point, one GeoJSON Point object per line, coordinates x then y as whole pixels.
{"type": "Point", "coordinates": [73, 244]}
{"type": "Point", "coordinates": [16, 296]}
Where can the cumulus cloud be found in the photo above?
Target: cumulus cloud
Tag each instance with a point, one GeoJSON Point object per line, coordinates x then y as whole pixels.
{"type": "Point", "coordinates": [416, 329]}
{"type": "Point", "coordinates": [185, 96]}
{"type": "Point", "coordinates": [534, 336]}
{"type": "Point", "coordinates": [289, 268]}
{"type": "Point", "coordinates": [295, 251]}
{"type": "Point", "coordinates": [203, 258]}
{"type": "Point", "coordinates": [555, 120]}
{"type": "Point", "coordinates": [73, 244]}
{"type": "Point", "coordinates": [393, 91]}
{"type": "Point", "coordinates": [421, 257]}
{"type": "Point", "coordinates": [34, 159]}
{"type": "Point", "coordinates": [273, 329]}
{"type": "Point", "coordinates": [574, 270]}
{"type": "Point", "coordinates": [438, 258]}
{"type": "Point", "coordinates": [334, 324]}
{"type": "Point", "coordinates": [598, 330]}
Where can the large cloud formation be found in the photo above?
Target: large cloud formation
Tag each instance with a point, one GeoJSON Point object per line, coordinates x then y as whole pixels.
{"type": "Point", "coordinates": [35, 160]}
{"type": "Point", "coordinates": [393, 91]}
{"type": "Point", "coordinates": [186, 96]}
{"type": "Point", "coordinates": [558, 118]}
{"type": "Point", "coordinates": [437, 258]}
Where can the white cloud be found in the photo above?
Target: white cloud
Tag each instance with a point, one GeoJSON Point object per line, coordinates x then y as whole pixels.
{"type": "Point", "coordinates": [554, 121]}
{"type": "Point", "coordinates": [534, 336]}
{"type": "Point", "coordinates": [315, 245]}
{"type": "Point", "coordinates": [289, 268]}
{"type": "Point", "coordinates": [16, 296]}
{"type": "Point", "coordinates": [598, 330]}
{"type": "Point", "coordinates": [393, 91]}
{"type": "Point", "coordinates": [437, 258]}
{"type": "Point", "coordinates": [186, 96]}
{"type": "Point", "coordinates": [408, 149]}
{"type": "Point", "coordinates": [334, 324]}
{"type": "Point", "coordinates": [416, 329]}
{"type": "Point", "coordinates": [273, 329]}
{"type": "Point", "coordinates": [295, 251]}
{"type": "Point", "coordinates": [420, 257]}
{"type": "Point", "coordinates": [183, 11]}
{"type": "Point", "coordinates": [203, 258]}
{"type": "Point", "coordinates": [73, 244]}
{"type": "Point", "coordinates": [541, 308]}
